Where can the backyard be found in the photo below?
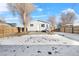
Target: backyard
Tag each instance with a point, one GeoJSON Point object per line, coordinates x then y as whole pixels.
{"type": "Point", "coordinates": [51, 44]}
{"type": "Point", "coordinates": [36, 29]}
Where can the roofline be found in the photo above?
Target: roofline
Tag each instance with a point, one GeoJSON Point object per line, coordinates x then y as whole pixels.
{"type": "Point", "coordinates": [41, 21]}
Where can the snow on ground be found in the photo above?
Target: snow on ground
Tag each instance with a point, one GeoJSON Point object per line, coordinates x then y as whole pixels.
{"type": "Point", "coordinates": [69, 35]}
{"type": "Point", "coordinates": [38, 40]}
{"type": "Point", "coordinates": [36, 45]}
{"type": "Point", "coordinates": [37, 50]}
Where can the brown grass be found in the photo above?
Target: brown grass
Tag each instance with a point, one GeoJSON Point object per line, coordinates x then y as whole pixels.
{"type": "Point", "coordinates": [22, 33]}
{"type": "Point", "coordinates": [11, 35]}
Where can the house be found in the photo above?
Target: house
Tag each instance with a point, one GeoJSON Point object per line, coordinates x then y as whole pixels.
{"type": "Point", "coordinates": [38, 25]}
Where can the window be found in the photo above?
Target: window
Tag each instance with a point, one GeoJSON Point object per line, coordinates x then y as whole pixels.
{"type": "Point", "coordinates": [42, 25]}
{"type": "Point", "coordinates": [31, 25]}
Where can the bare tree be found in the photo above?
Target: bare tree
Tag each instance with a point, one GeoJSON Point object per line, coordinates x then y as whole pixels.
{"type": "Point", "coordinates": [71, 17]}
{"type": "Point", "coordinates": [63, 21]}
{"type": "Point", "coordinates": [68, 18]}
{"type": "Point", "coordinates": [52, 20]}
{"type": "Point", "coordinates": [23, 9]}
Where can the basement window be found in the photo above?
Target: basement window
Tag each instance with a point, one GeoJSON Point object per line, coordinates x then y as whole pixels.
{"type": "Point", "coordinates": [31, 25]}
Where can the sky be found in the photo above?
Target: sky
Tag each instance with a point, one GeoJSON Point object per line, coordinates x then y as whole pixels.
{"type": "Point", "coordinates": [42, 12]}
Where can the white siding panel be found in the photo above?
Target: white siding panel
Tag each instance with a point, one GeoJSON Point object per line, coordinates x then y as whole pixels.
{"type": "Point", "coordinates": [37, 26]}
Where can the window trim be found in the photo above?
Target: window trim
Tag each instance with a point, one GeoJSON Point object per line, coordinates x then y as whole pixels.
{"type": "Point", "coordinates": [31, 25]}
{"type": "Point", "coordinates": [42, 25]}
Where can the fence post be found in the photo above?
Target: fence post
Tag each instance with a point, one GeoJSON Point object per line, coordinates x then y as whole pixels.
{"type": "Point", "coordinates": [72, 29]}
{"type": "Point", "coordinates": [64, 28]}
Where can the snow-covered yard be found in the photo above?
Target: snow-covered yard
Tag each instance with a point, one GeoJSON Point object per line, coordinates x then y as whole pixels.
{"type": "Point", "coordinates": [37, 50]}
{"type": "Point", "coordinates": [36, 45]}
{"type": "Point", "coordinates": [38, 40]}
{"type": "Point", "coordinates": [69, 35]}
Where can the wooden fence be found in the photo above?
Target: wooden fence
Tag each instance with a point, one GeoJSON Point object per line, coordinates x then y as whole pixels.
{"type": "Point", "coordinates": [70, 29]}
{"type": "Point", "coordinates": [6, 30]}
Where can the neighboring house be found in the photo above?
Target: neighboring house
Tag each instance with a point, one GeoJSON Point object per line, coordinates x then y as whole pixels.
{"type": "Point", "coordinates": [37, 25]}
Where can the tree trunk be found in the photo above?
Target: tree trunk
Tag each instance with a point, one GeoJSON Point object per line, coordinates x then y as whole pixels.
{"type": "Point", "coordinates": [25, 27]}
{"type": "Point", "coordinates": [25, 23]}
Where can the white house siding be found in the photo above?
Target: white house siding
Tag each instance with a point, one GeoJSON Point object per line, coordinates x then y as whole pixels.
{"type": "Point", "coordinates": [37, 26]}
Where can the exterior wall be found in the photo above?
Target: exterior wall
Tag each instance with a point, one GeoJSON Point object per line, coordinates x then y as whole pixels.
{"type": "Point", "coordinates": [37, 26]}
{"type": "Point", "coordinates": [47, 26]}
